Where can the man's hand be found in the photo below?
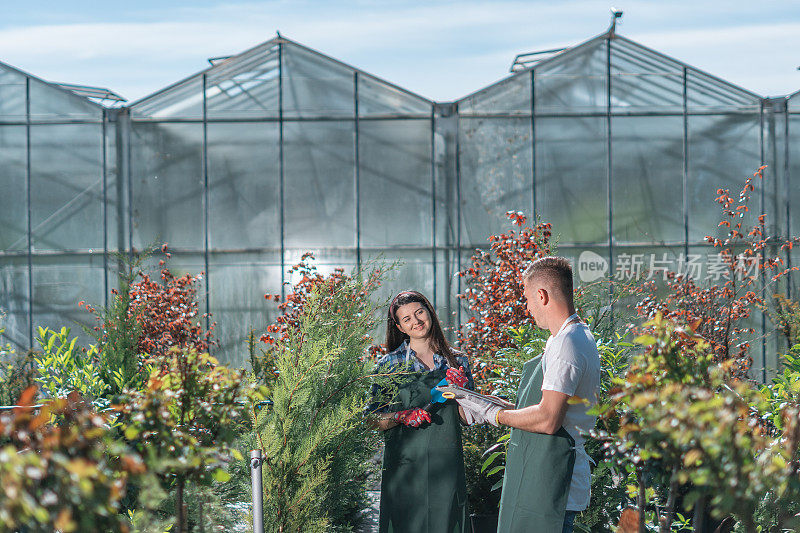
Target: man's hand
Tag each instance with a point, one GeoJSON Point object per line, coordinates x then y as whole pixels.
{"type": "Point", "coordinates": [477, 409]}
{"type": "Point", "coordinates": [412, 417]}
{"type": "Point", "coordinates": [457, 377]}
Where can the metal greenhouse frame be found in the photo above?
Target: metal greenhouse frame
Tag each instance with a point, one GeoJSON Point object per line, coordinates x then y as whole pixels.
{"type": "Point", "coordinates": [280, 149]}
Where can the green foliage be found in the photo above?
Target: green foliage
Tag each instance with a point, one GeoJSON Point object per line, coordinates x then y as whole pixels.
{"type": "Point", "coordinates": [704, 429]}
{"type": "Point", "coordinates": [63, 367]}
{"type": "Point", "coordinates": [483, 496]}
{"type": "Point", "coordinates": [183, 420]}
{"type": "Point", "coordinates": [316, 441]}
{"type": "Point", "coordinates": [784, 389]}
{"type": "Point", "coordinates": [786, 316]}
{"type": "Point", "coordinates": [527, 341]}
{"type": "Point", "coordinates": [61, 469]}
{"type": "Point", "coordinates": [120, 362]}
{"type": "Point", "coordinates": [17, 373]}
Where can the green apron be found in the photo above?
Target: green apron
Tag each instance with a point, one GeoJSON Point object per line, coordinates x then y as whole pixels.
{"type": "Point", "coordinates": [423, 488]}
{"type": "Point", "coordinates": [538, 469]}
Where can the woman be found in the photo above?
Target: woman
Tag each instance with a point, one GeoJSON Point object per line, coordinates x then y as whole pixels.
{"type": "Point", "coordinates": [423, 487]}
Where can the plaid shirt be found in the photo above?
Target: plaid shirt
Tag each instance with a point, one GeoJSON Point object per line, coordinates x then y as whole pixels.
{"type": "Point", "coordinates": [395, 361]}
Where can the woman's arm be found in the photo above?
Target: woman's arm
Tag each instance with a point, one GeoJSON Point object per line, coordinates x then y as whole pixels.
{"type": "Point", "coordinates": [382, 422]}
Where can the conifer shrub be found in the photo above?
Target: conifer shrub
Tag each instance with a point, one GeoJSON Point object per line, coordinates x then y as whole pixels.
{"type": "Point", "coordinates": [316, 441]}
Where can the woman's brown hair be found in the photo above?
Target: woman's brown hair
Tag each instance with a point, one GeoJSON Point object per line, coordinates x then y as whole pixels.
{"type": "Point", "coordinates": [395, 337]}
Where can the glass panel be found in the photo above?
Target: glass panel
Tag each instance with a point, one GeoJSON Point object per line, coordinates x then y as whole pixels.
{"type": "Point", "coordinates": [774, 184]}
{"type": "Point", "coordinates": [246, 85]}
{"type": "Point", "coordinates": [183, 100]}
{"type": "Point", "coordinates": [13, 201]}
{"type": "Point", "coordinates": [244, 186]}
{"type": "Point", "coordinates": [315, 85]}
{"type": "Point", "coordinates": [589, 263]}
{"type": "Point", "coordinates": [319, 184]}
{"type": "Point", "coordinates": [49, 102]}
{"type": "Point", "coordinates": [794, 175]}
{"type": "Point", "coordinates": [167, 183]}
{"type": "Point", "coordinates": [446, 302]}
{"type": "Point", "coordinates": [12, 94]}
{"type": "Point", "coordinates": [511, 95]}
{"type": "Point", "coordinates": [115, 204]}
{"type": "Point", "coordinates": [575, 81]}
{"type": "Point", "coordinates": [794, 102]}
{"type": "Point", "coordinates": [705, 93]}
{"type": "Point", "coordinates": [326, 261]}
{"type": "Point", "coordinates": [644, 81]}
{"type": "Point", "coordinates": [648, 179]}
{"type": "Point", "coordinates": [67, 187]}
{"type": "Point", "coordinates": [378, 98]}
{"type": "Point", "coordinates": [395, 182]}
{"type": "Point", "coordinates": [238, 283]}
{"type": "Point", "coordinates": [59, 283]}
{"type": "Point", "coordinates": [495, 166]}
{"type": "Point", "coordinates": [446, 182]}
{"type": "Point", "coordinates": [794, 277]}
{"type": "Point", "coordinates": [14, 300]}
{"type": "Point", "coordinates": [650, 263]}
{"type": "Point", "coordinates": [571, 191]}
{"type": "Point", "coordinates": [415, 272]}
{"type": "Point", "coordinates": [723, 151]}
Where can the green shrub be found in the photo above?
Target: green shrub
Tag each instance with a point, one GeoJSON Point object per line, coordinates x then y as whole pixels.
{"type": "Point", "coordinates": [17, 373]}
{"type": "Point", "coordinates": [183, 422]}
{"type": "Point", "coordinates": [316, 441]}
{"type": "Point", "coordinates": [64, 367]}
{"type": "Point", "coordinates": [68, 475]}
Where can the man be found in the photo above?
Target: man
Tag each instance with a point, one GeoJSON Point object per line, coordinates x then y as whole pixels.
{"type": "Point", "coordinates": [547, 477]}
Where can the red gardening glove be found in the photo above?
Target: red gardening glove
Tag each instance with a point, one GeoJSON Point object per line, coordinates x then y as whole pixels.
{"type": "Point", "coordinates": [457, 377]}
{"type": "Point", "coordinates": [413, 417]}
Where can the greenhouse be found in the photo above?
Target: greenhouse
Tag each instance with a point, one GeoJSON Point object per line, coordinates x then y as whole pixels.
{"type": "Point", "coordinates": [280, 150]}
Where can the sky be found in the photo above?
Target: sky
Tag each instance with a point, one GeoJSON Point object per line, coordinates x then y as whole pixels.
{"type": "Point", "coordinates": [441, 49]}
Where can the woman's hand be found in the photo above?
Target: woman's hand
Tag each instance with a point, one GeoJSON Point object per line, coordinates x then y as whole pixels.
{"type": "Point", "coordinates": [457, 377]}
{"type": "Point", "coordinates": [413, 417]}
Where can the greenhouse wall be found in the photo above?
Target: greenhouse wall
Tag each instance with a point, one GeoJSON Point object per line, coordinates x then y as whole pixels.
{"type": "Point", "coordinates": [281, 150]}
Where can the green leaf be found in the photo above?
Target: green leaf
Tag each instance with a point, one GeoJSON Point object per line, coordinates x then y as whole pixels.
{"type": "Point", "coordinates": [489, 460]}
{"type": "Point", "coordinates": [645, 340]}
{"type": "Point", "coordinates": [497, 485]}
{"type": "Point", "coordinates": [221, 475]}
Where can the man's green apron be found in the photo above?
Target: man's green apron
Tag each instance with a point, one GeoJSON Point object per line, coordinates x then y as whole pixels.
{"type": "Point", "coordinates": [423, 487]}
{"type": "Point", "coordinates": [538, 469]}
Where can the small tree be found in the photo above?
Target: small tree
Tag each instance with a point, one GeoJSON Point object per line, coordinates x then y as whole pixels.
{"type": "Point", "coordinates": [719, 310]}
{"type": "Point", "coordinates": [494, 291]}
{"type": "Point", "coordinates": [708, 430]}
{"type": "Point", "coordinates": [316, 441]}
{"type": "Point", "coordinates": [183, 421]}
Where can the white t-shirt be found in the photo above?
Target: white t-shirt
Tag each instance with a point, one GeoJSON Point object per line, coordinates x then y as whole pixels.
{"type": "Point", "coordinates": [571, 365]}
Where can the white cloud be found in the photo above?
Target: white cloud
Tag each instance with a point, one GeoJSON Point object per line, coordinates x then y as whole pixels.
{"type": "Point", "coordinates": [443, 50]}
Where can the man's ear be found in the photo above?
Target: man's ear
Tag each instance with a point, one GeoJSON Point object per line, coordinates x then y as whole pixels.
{"type": "Point", "coordinates": [543, 296]}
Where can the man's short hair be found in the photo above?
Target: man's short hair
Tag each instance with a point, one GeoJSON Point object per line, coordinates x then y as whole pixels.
{"type": "Point", "coordinates": [555, 272]}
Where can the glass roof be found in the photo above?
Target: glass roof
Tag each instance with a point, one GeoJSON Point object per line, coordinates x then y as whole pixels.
{"type": "Point", "coordinates": [248, 85]}
{"type": "Point", "coordinates": [48, 101]}
{"type": "Point", "coordinates": [642, 80]}
{"type": "Point", "coordinates": [794, 101]}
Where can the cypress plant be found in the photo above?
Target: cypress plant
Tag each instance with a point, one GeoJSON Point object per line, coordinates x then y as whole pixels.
{"type": "Point", "coordinates": [316, 441]}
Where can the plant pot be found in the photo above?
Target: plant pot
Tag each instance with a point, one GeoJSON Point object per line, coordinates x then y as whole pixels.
{"type": "Point", "coordinates": [484, 523]}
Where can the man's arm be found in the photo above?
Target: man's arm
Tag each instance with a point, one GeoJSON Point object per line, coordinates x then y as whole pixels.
{"type": "Point", "coordinates": [545, 417]}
